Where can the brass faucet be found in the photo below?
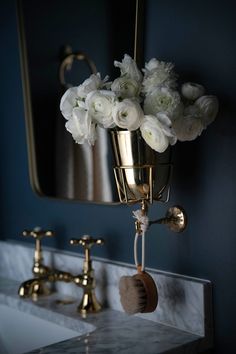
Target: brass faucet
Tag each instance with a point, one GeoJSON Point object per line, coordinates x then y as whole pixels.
{"type": "Point", "coordinates": [42, 274]}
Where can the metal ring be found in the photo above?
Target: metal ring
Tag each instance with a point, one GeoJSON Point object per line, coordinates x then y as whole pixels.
{"type": "Point", "coordinates": [67, 62]}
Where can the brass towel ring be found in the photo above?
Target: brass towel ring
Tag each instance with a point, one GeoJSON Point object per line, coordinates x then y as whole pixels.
{"type": "Point", "coordinates": [67, 62]}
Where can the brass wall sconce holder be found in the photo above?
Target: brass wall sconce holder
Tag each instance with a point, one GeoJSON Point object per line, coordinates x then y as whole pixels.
{"type": "Point", "coordinates": [143, 176]}
{"type": "Point", "coordinates": [176, 219]}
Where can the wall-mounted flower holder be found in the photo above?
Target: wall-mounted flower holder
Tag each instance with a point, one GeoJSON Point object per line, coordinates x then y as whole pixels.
{"type": "Point", "coordinates": [140, 172]}
{"type": "Point", "coordinates": [142, 176]}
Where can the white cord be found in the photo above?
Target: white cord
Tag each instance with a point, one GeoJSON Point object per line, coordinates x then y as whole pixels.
{"type": "Point", "coordinates": [144, 222]}
{"type": "Point", "coordinates": [143, 252]}
{"type": "Point", "coordinates": [135, 249]}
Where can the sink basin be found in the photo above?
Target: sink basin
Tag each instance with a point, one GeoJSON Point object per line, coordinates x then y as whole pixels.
{"type": "Point", "coordinates": [21, 332]}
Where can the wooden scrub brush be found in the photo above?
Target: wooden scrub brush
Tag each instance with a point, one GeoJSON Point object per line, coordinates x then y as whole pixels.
{"type": "Point", "coordinates": [138, 293]}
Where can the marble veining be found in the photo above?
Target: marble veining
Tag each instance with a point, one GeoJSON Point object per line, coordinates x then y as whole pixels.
{"type": "Point", "coordinates": [184, 302]}
{"type": "Point", "coordinates": [110, 331]}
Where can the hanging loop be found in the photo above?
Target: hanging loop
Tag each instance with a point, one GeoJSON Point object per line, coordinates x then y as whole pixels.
{"type": "Point", "coordinates": [141, 225]}
{"type": "Point", "coordinates": [139, 266]}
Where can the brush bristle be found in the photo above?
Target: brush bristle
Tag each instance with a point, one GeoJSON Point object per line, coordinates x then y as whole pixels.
{"type": "Point", "coordinates": [133, 295]}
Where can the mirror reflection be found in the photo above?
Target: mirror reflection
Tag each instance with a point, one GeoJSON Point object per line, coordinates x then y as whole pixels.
{"type": "Point", "coordinates": [102, 31]}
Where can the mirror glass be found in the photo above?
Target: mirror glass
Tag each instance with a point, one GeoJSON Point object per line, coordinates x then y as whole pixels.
{"type": "Point", "coordinates": [59, 167]}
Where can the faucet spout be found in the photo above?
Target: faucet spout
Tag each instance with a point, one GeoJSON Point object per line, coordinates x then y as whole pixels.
{"type": "Point", "coordinates": [37, 286]}
{"type": "Point", "coordinates": [33, 288]}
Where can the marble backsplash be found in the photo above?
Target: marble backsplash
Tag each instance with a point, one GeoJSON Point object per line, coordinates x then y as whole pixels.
{"type": "Point", "coordinates": [184, 302]}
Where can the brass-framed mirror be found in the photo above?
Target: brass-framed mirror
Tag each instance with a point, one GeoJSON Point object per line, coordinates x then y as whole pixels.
{"type": "Point", "coordinates": [104, 31]}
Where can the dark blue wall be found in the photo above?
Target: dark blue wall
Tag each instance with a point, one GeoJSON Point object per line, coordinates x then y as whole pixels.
{"type": "Point", "coordinates": [199, 36]}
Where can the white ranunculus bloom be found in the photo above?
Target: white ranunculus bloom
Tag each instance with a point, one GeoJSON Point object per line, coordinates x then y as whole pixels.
{"type": "Point", "coordinates": [157, 134]}
{"type": "Point", "coordinates": [94, 82]}
{"type": "Point", "coordinates": [81, 127]}
{"type": "Point", "coordinates": [156, 74]}
{"type": "Point", "coordinates": [192, 91]}
{"type": "Point", "coordinates": [167, 127]}
{"type": "Point", "coordinates": [163, 100]}
{"type": "Point", "coordinates": [208, 107]}
{"type": "Point", "coordinates": [75, 96]}
{"type": "Point", "coordinates": [156, 80]}
{"type": "Point", "coordinates": [125, 87]}
{"type": "Point", "coordinates": [128, 114]}
{"type": "Point", "coordinates": [69, 102]}
{"type": "Point", "coordinates": [154, 64]}
{"type": "Point", "coordinates": [164, 119]}
{"type": "Point", "coordinates": [189, 126]}
{"type": "Point", "coordinates": [100, 105]}
{"type": "Point", "coordinates": [128, 67]}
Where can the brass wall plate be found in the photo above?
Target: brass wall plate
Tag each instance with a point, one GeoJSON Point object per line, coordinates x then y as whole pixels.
{"type": "Point", "coordinates": [176, 219]}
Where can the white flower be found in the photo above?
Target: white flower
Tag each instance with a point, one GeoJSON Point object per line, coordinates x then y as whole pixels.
{"type": "Point", "coordinates": [189, 126]}
{"type": "Point", "coordinates": [154, 64]}
{"type": "Point", "coordinates": [167, 127]}
{"type": "Point", "coordinates": [125, 87]}
{"type": "Point", "coordinates": [208, 107]}
{"type": "Point", "coordinates": [69, 102]}
{"type": "Point", "coordinates": [158, 73]}
{"type": "Point", "coordinates": [156, 133]}
{"type": "Point", "coordinates": [94, 82]}
{"type": "Point", "coordinates": [99, 105]}
{"type": "Point", "coordinates": [163, 119]}
{"type": "Point", "coordinates": [81, 127]}
{"type": "Point", "coordinates": [192, 91]}
{"type": "Point", "coordinates": [163, 100]}
{"type": "Point", "coordinates": [128, 114]}
{"type": "Point", "coordinates": [75, 96]}
{"type": "Point", "coordinates": [128, 67]}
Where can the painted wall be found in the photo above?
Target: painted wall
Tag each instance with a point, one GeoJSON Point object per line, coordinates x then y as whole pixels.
{"type": "Point", "coordinates": [200, 40]}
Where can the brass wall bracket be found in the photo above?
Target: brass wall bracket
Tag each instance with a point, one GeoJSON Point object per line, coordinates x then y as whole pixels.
{"type": "Point", "coordinates": [176, 219]}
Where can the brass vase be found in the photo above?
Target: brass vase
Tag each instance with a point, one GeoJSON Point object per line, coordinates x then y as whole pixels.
{"type": "Point", "coordinates": [140, 172]}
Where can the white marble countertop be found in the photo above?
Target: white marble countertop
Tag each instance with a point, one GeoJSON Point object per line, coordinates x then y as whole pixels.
{"type": "Point", "coordinates": [107, 332]}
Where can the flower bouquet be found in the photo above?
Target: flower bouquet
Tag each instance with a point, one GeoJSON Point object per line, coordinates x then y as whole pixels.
{"type": "Point", "coordinates": [148, 101]}
{"type": "Point", "coordinates": [147, 105]}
